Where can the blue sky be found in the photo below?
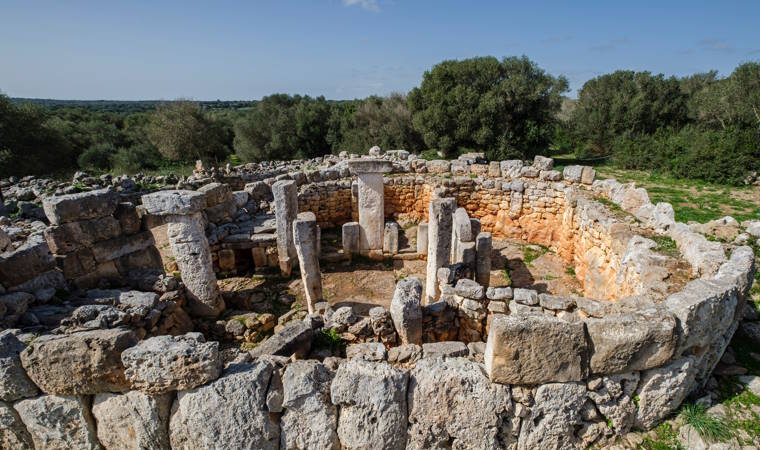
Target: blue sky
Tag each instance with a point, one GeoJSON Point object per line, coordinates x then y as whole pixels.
{"type": "Point", "coordinates": [341, 49]}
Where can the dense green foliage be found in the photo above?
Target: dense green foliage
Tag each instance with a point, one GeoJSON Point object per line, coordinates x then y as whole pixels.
{"type": "Point", "coordinates": [700, 127]}
{"type": "Point", "coordinates": [506, 108]}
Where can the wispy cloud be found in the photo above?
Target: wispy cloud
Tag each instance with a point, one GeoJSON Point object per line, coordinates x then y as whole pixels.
{"type": "Point", "coordinates": [715, 45]}
{"type": "Point", "coordinates": [368, 5]}
{"type": "Point", "coordinates": [610, 45]}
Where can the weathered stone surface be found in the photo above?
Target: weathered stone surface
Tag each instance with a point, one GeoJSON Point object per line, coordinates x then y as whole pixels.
{"type": "Point", "coordinates": [294, 338]}
{"type": "Point", "coordinates": [572, 174]}
{"type": "Point", "coordinates": [511, 168]}
{"type": "Point", "coordinates": [438, 166]}
{"type": "Point", "coordinates": [535, 349]}
{"type": "Point", "coordinates": [370, 393]}
{"type": "Point", "coordinates": [614, 398]}
{"type": "Point", "coordinates": [134, 420]}
{"type": "Point", "coordinates": [555, 302]}
{"type": "Point", "coordinates": [635, 341]}
{"type": "Point", "coordinates": [129, 220]}
{"type": "Point", "coordinates": [306, 239]}
{"type": "Point", "coordinates": [405, 353]}
{"type": "Point", "coordinates": [72, 236]}
{"type": "Point", "coordinates": [120, 246]}
{"type": "Point", "coordinates": [661, 390]}
{"type": "Point", "coordinates": [406, 310]}
{"type": "Point", "coordinates": [422, 238]}
{"type": "Point", "coordinates": [13, 434]}
{"type": "Point", "coordinates": [57, 423]}
{"type": "Point", "coordinates": [285, 194]}
{"type": "Point", "coordinates": [350, 239]}
{"type": "Point", "coordinates": [370, 351]}
{"type": "Point", "coordinates": [589, 173]}
{"type": "Point", "coordinates": [25, 262]}
{"type": "Point", "coordinates": [390, 238]}
{"type": "Point", "coordinates": [439, 243]}
{"type": "Point", "coordinates": [177, 202]}
{"type": "Point", "coordinates": [310, 421]}
{"type": "Point", "coordinates": [526, 296]}
{"type": "Point", "coordinates": [543, 163]}
{"type": "Point", "coordinates": [81, 363]}
{"type": "Point", "coordinates": [82, 206]}
{"type": "Point", "coordinates": [14, 383]}
{"type": "Point", "coordinates": [163, 364]}
{"type": "Point", "coordinates": [499, 293]}
{"type": "Point", "coordinates": [14, 306]}
{"type": "Point", "coordinates": [445, 349]}
{"type": "Point", "coordinates": [231, 412]}
{"type": "Point", "coordinates": [469, 289]}
{"type": "Point", "coordinates": [483, 248]}
{"type": "Point", "coordinates": [554, 417]}
{"type": "Point", "coordinates": [452, 404]}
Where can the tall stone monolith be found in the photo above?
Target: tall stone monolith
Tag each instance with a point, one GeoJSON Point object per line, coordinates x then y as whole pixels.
{"type": "Point", "coordinates": [371, 203]}
{"type": "Point", "coordinates": [439, 243]}
{"type": "Point", "coordinates": [187, 239]}
{"type": "Point", "coordinates": [483, 247]}
{"type": "Point", "coordinates": [305, 238]}
{"type": "Point", "coordinates": [285, 193]}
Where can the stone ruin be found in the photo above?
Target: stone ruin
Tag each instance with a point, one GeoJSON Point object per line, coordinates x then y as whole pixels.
{"type": "Point", "coordinates": [107, 303]}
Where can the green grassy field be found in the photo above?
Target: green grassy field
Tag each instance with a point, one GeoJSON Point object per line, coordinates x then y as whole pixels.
{"type": "Point", "coordinates": [692, 200]}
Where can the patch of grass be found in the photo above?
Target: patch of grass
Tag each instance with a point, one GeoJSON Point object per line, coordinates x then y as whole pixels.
{"type": "Point", "coordinates": [570, 271]}
{"type": "Point", "coordinates": [507, 278]}
{"type": "Point", "coordinates": [473, 175]}
{"type": "Point", "coordinates": [665, 438]}
{"type": "Point", "coordinates": [711, 427]}
{"type": "Point", "coordinates": [666, 245]}
{"type": "Point", "coordinates": [330, 339]}
{"type": "Point", "coordinates": [613, 207]}
{"type": "Point", "coordinates": [430, 154]}
{"type": "Point", "coordinates": [532, 252]}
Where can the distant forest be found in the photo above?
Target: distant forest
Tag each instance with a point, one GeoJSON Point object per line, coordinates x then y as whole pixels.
{"type": "Point", "coordinates": [701, 126]}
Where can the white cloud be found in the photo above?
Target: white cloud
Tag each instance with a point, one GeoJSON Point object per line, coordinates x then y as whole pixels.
{"type": "Point", "coordinates": [369, 5]}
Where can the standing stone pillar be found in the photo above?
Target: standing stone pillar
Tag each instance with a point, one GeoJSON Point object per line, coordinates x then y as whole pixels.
{"type": "Point", "coordinates": [422, 238]}
{"type": "Point", "coordinates": [285, 212]}
{"type": "Point", "coordinates": [483, 247]}
{"type": "Point", "coordinates": [371, 203]}
{"type": "Point", "coordinates": [305, 238]}
{"type": "Point", "coordinates": [439, 243]}
{"type": "Point", "coordinates": [187, 239]}
{"type": "Point", "coordinates": [350, 239]}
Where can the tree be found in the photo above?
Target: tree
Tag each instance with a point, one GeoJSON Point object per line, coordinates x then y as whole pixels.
{"type": "Point", "coordinates": [181, 131]}
{"type": "Point", "coordinates": [506, 108]}
{"type": "Point", "coordinates": [626, 102]}
{"type": "Point", "coordinates": [733, 101]}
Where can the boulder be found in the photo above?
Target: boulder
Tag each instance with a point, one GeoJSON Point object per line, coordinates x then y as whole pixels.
{"type": "Point", "coordinates": [405, 354]}
{"type": "Point", "coordinates": [406, 311]}
{"type": "Point", "coordinates": [554, 417]}
{"type": "Point", "coordinates": [511, 168]}
{"type": "Point", "coordinates": [230, 412]}
{"type": "Point", "coordinates": [634, 341]}
{"type": "Point", "coordinates": [370, 351]}
{"type": "Point", "coordinates": [662, 390]}
{"type": "Point", "coordinates": [13, 434]}
{"type": "Point", "coordinates": [25, 262]}
{"type": "Point", "coordinates": [133, 420]}
{"type": "Point", "coordinates": [535, 349]}
{"type": "Point", "coordinates": [452, 404]}
{"type": "Point", "coordinates": [14, 383]}
{"type": "Point", "coordinates": [72, 236]}
{"type": "Point", "coordinates": [370, 393]}
{"type": "Point", "coordinates": [81, 206]}
{"type": "Point", "coordinates": [14, 307]}
{"type": "Point", "coordinates": [177, 202]}
{"type": "Point", "coordinates": [445, 349]}
{"type": "Point", "coordinates": [572, 174]}
{"type": "Point", "coordinates": [81, 363]}
{"type": "Point", "coordinates": [58, 422]}
{"type": "Point", "coordinates": [527, 297]}
{"type": "Point", "coordinates": [555, 302]}
{"type": "Point", "coordinates": [294, 338]}
{"type": "Point", "coordinates": [163, 364]}
{"type": "Point", "coordinates": [469, 289]}
{"type": "Point", "coordinates": [310, 421]}
{"type": "Point", "coordinates": [543, 163]}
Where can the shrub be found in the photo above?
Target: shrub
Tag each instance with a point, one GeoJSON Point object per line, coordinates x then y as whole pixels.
{"type": "Point", "coordinates": [97, 157]}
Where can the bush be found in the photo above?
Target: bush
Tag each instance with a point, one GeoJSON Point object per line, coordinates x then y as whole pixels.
{"type": "Point", "coordinates": [136, 158]}
{"type": "Point", "coordinates": [181, 131]}
{"type": "Point", "coordinates": [97, 157]}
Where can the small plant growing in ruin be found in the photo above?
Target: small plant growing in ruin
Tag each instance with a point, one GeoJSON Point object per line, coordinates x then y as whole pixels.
{"type": "Point", "coordinates": [666, 245]}
{"type": "Point", "coordinates": [709, 426]}
{"type": "Point", "coordinates": [330, 339]}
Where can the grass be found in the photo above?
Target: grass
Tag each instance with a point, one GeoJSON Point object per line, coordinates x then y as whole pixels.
{"type": "Point", "coordinates": [570, 271]}
{"type": "Point", "coordinates": [532, 252]}
{"type": "Point", "coordinates": [666, 245]}
{"type": "Point", "coordinates": [330, 339]}
{"type": "Point", "coordinates": [430, 155]}
{"type": "Point", "coordinates": [665, 438]}
{"type": "Point", "coordinates": [711, 427]}
{"type": "Point", "coordinates": [741, 410]}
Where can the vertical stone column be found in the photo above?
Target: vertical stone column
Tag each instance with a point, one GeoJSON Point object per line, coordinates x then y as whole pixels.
{"type": "Point", "coordinates": [483, 247]}
{"type": "Point", "coordinates": [285, 212]}
{"type": "Point", "coordinates": [461, 234]}
{"type": "Point", "coordinates": [187, 239]}
{"type": "Point", "coordinates": [422, 238]}
{"type": "Point", "coordinates": [350, 239]}
{"type": "Point", "coordinates": [371, 203]}
{"type": "Point", "coordinates": [439, 243]}
{"type": "Point", "coordinates": [305, 238]}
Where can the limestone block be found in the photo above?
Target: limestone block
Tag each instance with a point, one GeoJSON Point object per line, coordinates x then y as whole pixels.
{"type": "Point", "coordinates": [535, 349]}
{"type": "Point", "coordinates": [81, 206]}
{"type": "Point", "coordinates": [634, 341]}
{"type": "Point", "coordinates": [439, 242]}
{"type": "Point", "coordinates": [305, 239]}
{"type": "Point", "coordinates": [554, 417]}
{"type": "Point", "coordinates": [555, 302]}
{"type": "Point", "coordinates": [58, 422]}
{"type": "Point", "coordinates": [370, 351]}
{"type": "Point", "coordinates": [14, 383]}
{"type": "Point", "coordinates": [285, 194]}
{"type": "Point", "coordinates": [588, 175]}
{"type": "Point", "coordinates": [499, 293]}
{"type": "Point", "coordinates": [163, 364]}
{"type": "Point", "coordinates": [72, 236]}
{"type": "Point", "coordinates": [14, 306]}
{"type": "Point", "coordinates": [176, 202]}
{"type": "Point", "coordinates": [573, 174]}
{"type": "Point", "coordinates": [350, 239]}
{"type": "Point", "coordinates": [310, 421]}
{"type": "Point", "coordinates": [543, 163]}
{"type": "Point", "coordinates": [438, 166]}
{"type": "Point", "coordinates": [134, 420]}
{"type": "Point", "coordinates": [129, 220]}
{"type": "Point", "coordinates": [445, 349]}
{"type": "Point", "coordinates": [406, 310]}
{"type": "Point", "coordinates": [469, 289]}
{"type": "Point", "coordinates": [81, 363]}
{"type": "Point", "coordinates": [483, 248]}
{"type": "Point", "coordinates": [454, 405]}
{"type": "Point", "coordinates": [216, 193]}
{"type": "Point", "coordinates": [614, 399]}
{"type": "Point", "coordinates": [662, 390]}
{"type": "Point", "coordinates": [13, 434]}
{"type": "Point", "coordinates": [494, 169]}
{"type": "Point", "coordinates": [120, 246]}
{"type": "Point", "coordinates": [25, 262]}
{"type": "Point", "coordinates": [422, 238]}
{"type": "Point", "coordinates": [240, 416]}
{"type": "Point", "coordinates": [294, 338]}
{"type": "Point", "coordinates": [511, 168]}
{"type": "Point", "coordinates": [527, 297]}
{"type": "Point", "coordinates": [390, 238]}
{"type": "Point", "coordinates": [370, 393]}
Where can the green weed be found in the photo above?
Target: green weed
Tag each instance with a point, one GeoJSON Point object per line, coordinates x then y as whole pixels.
{"type": "Point", "coordinates": [711, 427]}
{"type": "Point", "coordinates": [330, 339]}
{"type": "Point", "coordinates": [665, 438]}
{"type": "Point", "coordinates": [666, 245]}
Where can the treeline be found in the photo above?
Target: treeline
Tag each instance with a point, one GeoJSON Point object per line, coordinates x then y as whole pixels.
{"type": "Point", "coordinates": [700, 126]}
